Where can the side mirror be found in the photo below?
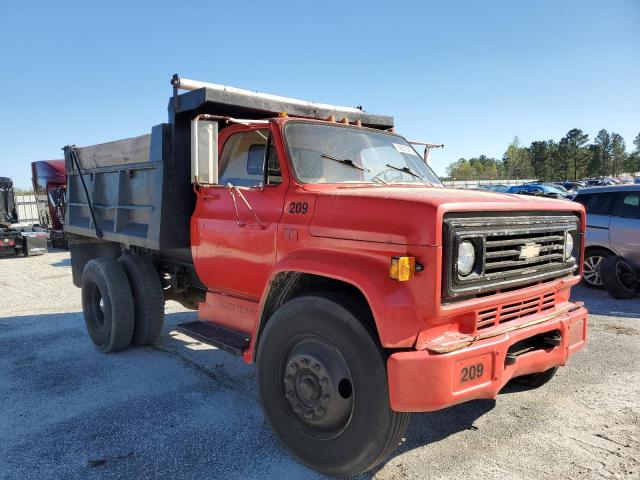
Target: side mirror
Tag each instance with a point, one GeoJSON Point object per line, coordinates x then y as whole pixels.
{"type": "Point", "coordinates": [204, 151]}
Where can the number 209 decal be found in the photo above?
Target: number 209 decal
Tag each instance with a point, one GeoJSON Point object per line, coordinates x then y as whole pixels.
{"type": "Point", "coordinates": [299, 208]}
{"type": "Point", "coordinates": [471, 373]}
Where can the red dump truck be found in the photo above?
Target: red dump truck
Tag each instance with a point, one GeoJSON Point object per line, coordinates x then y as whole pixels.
{"type": "Point", "coordinates": [315, 242]}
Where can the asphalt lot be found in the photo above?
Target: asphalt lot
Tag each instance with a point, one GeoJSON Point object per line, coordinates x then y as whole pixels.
{"type": "Point", "coordinates": [184, 410]}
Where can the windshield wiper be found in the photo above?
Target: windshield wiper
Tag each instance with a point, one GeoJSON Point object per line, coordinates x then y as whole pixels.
{"type": "Point", "coordinates": [406, 169]}
{"type": "Point", "coordinates": [345, 161]}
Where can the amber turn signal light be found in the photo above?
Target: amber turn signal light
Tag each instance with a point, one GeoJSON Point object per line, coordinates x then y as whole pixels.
{"type": "Point", "coordinates": [402, 268]}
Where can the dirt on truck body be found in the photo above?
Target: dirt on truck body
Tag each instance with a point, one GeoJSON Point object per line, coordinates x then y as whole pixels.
{"type": "Point", "coordinates": [317, 243]}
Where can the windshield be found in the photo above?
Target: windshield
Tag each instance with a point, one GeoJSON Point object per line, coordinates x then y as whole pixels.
{"type": "Point", "coordinates": [341, 154]}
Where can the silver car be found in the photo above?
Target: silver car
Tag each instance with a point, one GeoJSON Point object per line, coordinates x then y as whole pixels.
{"type": "Point", "coordinates": [613, 227]}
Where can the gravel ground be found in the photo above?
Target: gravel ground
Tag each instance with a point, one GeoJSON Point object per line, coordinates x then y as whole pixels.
{"type": "Point", "coordinates": [185, 410]}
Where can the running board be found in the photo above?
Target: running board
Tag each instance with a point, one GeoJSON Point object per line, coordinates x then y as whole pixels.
{"type": "Point", "coordinates": [220, 337]}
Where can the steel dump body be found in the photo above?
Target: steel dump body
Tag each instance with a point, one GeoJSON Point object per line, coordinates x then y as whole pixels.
{"type": "Point", "coordinates": [125, 181]}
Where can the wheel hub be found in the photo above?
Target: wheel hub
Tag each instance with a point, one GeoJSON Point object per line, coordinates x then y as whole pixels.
{"type": "Point", "coordinates": [312, 377]}
{"type": "Point", "coordinates": [591, 270]}
{"type": "Point", "coordinates": [307, 386]}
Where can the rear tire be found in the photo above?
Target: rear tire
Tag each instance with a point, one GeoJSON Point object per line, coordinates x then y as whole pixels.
{"type": "Point", "coordinates": [107, 304]}
{"type": "Point", "coordinates": [148, 298]}
{"type": "Point", "coordinates": [618, 278]}
{"type": "Point", "coordinates": [323, 386]}
{"type": "Point", "coordinates": [591, 267]}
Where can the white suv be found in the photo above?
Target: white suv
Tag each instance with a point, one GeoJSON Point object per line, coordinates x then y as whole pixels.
{"type": "Point", "coordinates": [613, 227]}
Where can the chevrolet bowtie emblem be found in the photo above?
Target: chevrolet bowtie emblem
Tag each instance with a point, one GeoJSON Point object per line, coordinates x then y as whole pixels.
{"type": "Point", "coordinates": [530, 250]}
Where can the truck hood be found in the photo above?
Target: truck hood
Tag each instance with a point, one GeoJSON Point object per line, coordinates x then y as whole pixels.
{"type": "Point", "coordinates": [408, 215]}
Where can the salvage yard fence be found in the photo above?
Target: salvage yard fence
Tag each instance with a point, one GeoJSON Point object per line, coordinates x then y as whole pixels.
{"type": "Point", "coordinates": [27, 208]}
{"type": "Point", "coordinates": [477, 183]}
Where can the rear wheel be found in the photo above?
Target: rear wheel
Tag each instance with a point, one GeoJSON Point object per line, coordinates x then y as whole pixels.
{"type": "Point", "coordinates": [619, 279]}
{"type": "Point", "coordinates": [323, 385]}
{"type": "Point", "coordinates": [148, 298]}
{"type": "Point", "coordinates": [107, 304]}
{"type": "Point", "coordinates": [591, 267]}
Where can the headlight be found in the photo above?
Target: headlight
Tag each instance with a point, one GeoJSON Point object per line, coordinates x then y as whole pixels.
{"type": "Point", "coordinates": [466, 257]}
{"type": "Point", "coordinates": [568, 245]}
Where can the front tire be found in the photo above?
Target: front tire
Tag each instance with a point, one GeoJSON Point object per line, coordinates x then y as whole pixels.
{"type": "Point", "coordinates": [323, 385]}
{"type": "Point", "coordinates": [107, 304]}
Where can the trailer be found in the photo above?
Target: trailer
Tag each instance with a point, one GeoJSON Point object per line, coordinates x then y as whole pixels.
{"type": "Point", "coordinates": [317, 243]}
{"type": "Point", "coordinates": [15, 238]}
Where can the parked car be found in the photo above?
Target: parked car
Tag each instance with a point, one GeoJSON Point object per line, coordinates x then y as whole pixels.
{"type": "Point", "coordinates": [493, 188]}
{"type": "Point", "coordinates": [539, 189]}
{"type": "Point", "coordinates": [571, 186]}
{"type": "Point", "coordinates": [599, 182]}
{"type": "Point", "coordinates": [613, 227]}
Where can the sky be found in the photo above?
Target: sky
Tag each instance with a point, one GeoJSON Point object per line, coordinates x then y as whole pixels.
{"type": "Point", "coordinates": [468, 74]}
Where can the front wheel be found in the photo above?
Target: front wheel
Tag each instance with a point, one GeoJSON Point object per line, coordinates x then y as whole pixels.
{"type": "Point", "coordinates": [323, 385]}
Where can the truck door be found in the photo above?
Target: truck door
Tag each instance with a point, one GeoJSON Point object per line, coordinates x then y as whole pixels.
{"type": "Point", "coordinates": [624, 230]}
{"type": "Point", "coordinates": [235, 223]}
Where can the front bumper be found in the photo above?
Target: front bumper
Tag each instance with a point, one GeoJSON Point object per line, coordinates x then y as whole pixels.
{"type": "Point", "coordinates": [422, 381]}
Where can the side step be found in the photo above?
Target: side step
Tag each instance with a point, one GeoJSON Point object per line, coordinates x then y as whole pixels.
{"type": "Point", "coordinates": [220, 337]}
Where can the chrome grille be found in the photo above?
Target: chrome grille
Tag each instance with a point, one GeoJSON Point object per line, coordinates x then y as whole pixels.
{"type": "Point", "coordinates": [505, 252]}
{"type": "Point", "coordinates": [511, 251]}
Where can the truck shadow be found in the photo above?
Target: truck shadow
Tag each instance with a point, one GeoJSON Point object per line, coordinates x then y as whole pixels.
{"type": "Point", "coordinates": [431, 427]}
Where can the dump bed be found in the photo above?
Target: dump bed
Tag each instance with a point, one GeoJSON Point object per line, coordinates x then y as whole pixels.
{"type": "Point", "coordinates": [127, 186]}
{"type": "Point", "coordinates": [140, 188]}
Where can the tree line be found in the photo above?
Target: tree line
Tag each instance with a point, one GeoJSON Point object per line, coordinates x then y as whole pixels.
{"type": "Point", "coordinates": [571, 158]}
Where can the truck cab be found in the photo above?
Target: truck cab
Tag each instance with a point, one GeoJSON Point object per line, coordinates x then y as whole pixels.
{"type": "Point", "coordinates": [317, 243]}
{"type": "Point", "coordinates": [49, 187]}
